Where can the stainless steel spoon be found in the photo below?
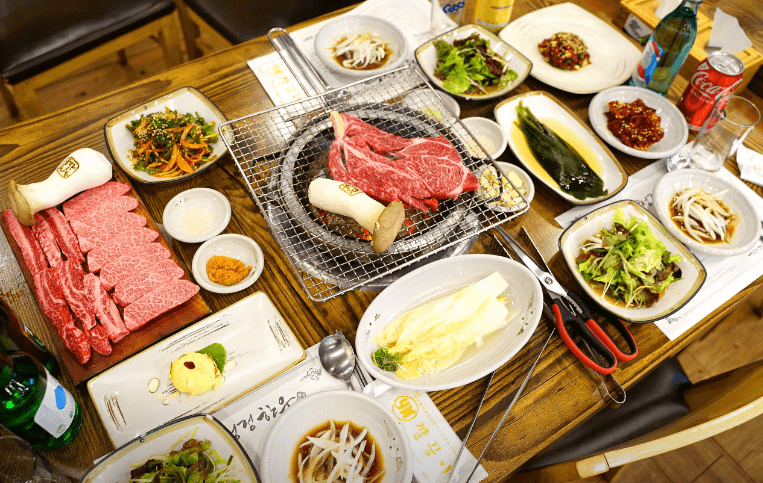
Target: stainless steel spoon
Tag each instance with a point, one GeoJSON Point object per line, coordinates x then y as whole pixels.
{"type": "Point", "coordinates": [337, 357]}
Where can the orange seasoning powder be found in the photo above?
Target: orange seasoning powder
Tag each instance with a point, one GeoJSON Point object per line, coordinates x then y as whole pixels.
{"type": "Point", "coordinates": [226, 271]}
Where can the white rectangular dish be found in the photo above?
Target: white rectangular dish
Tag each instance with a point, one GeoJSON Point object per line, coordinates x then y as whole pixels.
{"type": "Point", "coordinates": [254, 335]}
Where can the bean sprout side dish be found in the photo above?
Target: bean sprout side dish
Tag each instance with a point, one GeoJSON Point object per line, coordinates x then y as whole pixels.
{"type": "Point", "coordinates": [703, 216]}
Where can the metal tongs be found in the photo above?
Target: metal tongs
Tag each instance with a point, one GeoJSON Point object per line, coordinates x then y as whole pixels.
{"type": "Point", "coordinates": [598, 352]}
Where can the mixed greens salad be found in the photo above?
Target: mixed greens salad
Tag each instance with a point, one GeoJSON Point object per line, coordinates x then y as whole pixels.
{"type": "Point", "coordinates": [195, 462]}
{"type": "Point", "coordinates": [470, 66]}
{"type": "Point", "coordinates": [628, 262]}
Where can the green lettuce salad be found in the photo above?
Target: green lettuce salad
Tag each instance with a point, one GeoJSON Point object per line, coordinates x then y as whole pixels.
{"type": "Point", "coordinates": [470, 66]}
{"type": "Point", "coordinates": [628, 263]}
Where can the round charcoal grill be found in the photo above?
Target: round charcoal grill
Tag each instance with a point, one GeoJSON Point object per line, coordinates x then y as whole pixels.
{"type": "Point", "coordinates": [307, 159]}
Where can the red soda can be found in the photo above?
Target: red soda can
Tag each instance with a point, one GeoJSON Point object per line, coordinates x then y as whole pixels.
{"type": "Point", "coordinates": [715, 79]}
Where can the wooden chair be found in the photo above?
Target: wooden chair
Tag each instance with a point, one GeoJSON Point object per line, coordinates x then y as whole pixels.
{"type": "Point", "coordinates": [211, 25]}
{"type": "Point", "coordinates": [43, 41]}
{"type": "Point", "coordinates": [715, 405]}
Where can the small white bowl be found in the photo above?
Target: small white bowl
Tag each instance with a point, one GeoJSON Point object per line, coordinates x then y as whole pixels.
{"type": "Point", "coordinates": [348, 25]}
{"type": "Point", "coordinates": [488, 134]}
{"type": "Point", "coordinates": [339, 405]}
{"type": "Point", "coordinates": [231, 245]}
{"type": "Point", "coordinates": [507, 168]}
{"type": "Point", "coordinates": [747, 231]}
{"type": "Point", "coordinates": [196, 215]}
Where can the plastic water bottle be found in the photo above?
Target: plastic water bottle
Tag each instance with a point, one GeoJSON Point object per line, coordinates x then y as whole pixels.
{"type": "Point", "coordinates": [33, 405]}
{"type": "Point", "coordinates": [667, 49]}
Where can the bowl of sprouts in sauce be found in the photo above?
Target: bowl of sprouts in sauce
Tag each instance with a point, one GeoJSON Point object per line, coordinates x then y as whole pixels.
{"type": "Point", "coordinates": [360, 46]}
{"type": "Point", "coordinates": [337, 435]}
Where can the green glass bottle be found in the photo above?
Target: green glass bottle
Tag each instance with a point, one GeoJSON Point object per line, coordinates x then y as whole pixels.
{"type": "Point", "coordinates": [15, 336]}
{"type": "Point", "coordinates": [33, 405]}
{"type": "Point", "coordinates": [667, 48]}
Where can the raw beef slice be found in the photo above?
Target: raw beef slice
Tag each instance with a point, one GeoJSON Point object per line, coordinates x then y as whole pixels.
{"type": "Point", "coordinates": [157, 302]}
{"type": "Point", "coordinates": [27, 243]}
{"type": "Point", "coordinates": [94, 236]}
{"type": "Point", "coordinates": [417, 171]}
{"type": "Point", "coordinates": [51, 298]}
{"type": "Point", "coordinates": [65, 237]}
{"type": "Point", "coordinates": [121, 242]}
{"type": "Point", "coordinates": [72, 281]}
{"type": "Point", "coordinates": [93, 196]}
{"type": "Point", "coordinates": [136, 261]}
{"type": "Point", "coordinates": [94, 214]}
{"type": "Point", "coordinates": [108, 314]}
{"type": "Point", "coordinates": [132, 287]}
{"type": "Point", "coordinates": [44, 235]}
{"type": "Point", "coordinates": [99, 340]}
{"type": "Point", "coordinates": [76, 341]}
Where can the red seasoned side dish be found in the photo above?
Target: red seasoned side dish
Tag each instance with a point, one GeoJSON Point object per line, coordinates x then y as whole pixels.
{"type": "Point", "coordinates": [565, 50]}
{"type": "Point", "coordinates": [635, 124]}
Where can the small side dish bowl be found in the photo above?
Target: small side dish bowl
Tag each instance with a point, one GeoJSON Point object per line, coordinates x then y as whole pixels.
{"type": "Point", "coordinates": [349, 25]}
{"type": "Point", "coordinates": [746, 232]}
{"type": "Point", "coordinates": [509, 201]}
{"type": "Point", "coordinates": [672, 121]}
{"type": "Point", "coordinates": [307, 414]}
{"type": "Point", "coordinates": [196, 215]}
{"type": "Point", "coordinates": [426, 56]}
{"type": "Point", "coordinates": [231, 245]}
{"type": "Point", "coordinates": [675, 296]}
{"type": "Point", "coordinates": [487, 133]}
{"type": "Point", "coordinates": [116, 466]}
{"type": "Point", "coordinates": [184, 100]}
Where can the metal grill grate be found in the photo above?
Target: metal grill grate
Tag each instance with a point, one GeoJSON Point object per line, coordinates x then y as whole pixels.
{"type": "Point", "coordinates": [280, 150]}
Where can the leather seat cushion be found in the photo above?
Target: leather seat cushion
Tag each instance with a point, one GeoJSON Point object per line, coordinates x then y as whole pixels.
{"type": "Point", "coordinates": [653, 402]}
{"type": "Point", "coordinates": [36, 35]}
{"type": "Point", "coordinates": [242, 20]}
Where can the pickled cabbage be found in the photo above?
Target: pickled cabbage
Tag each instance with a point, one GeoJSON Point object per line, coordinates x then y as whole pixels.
{"type": "Point", "coordinates": [433, 336]}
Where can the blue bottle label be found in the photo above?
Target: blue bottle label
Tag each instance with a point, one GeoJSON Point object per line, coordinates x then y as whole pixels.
{"type": "Point", "coordinates": [650, 60]}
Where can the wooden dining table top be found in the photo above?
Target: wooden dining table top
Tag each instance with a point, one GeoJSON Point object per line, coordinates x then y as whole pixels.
{"type": "Point", "coordinates": [560, 394]}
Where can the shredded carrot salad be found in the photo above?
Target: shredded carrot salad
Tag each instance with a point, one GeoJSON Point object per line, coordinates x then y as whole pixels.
{"type": "Point", "coordinates": [168, 144]}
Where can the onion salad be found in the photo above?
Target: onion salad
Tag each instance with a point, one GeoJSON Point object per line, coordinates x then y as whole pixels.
{"type": "Point", "coordinates": [360, 51]}
{"type": "Point", "coordinates": [703, 216]}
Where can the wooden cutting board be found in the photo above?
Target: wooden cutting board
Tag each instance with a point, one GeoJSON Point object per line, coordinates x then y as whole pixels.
{"type": "Point", "coordinates": [156, 330]}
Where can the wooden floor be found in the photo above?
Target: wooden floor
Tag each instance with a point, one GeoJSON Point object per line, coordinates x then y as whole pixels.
{"type": "Point", "coordinates": [735, 456]}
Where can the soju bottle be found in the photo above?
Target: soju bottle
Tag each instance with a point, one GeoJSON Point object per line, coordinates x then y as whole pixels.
{"type": "Point", "coordinates": [667, 48]}
{"type": "Point", "coordinates": [16, 336]}
{"type": "Point", "coordinates": [33, 405]}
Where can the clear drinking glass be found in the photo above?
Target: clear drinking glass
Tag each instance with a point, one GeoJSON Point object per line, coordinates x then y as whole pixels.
{"type": "Point", "coordinates": [720, 136]}
{"type": "Point", "coordinates": [20, 464]}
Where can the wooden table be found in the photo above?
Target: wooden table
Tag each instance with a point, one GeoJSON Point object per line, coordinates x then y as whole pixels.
{"type": "Point", "coordinates": [560, 395]}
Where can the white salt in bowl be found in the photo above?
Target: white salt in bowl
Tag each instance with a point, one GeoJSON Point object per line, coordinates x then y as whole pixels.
{"type": "Point", "coordinates": [196, 215]}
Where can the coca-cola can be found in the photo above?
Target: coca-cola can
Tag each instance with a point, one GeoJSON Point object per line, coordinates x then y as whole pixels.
{"type": "Point", "coordinates": [713, 82]}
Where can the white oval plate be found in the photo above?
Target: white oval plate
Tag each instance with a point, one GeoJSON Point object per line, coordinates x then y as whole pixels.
{"type": "Point", "coordinates": [675, 296]}
{"type": "Point", "coordinates": [613, 55]}
{"type": "Point", "coordinates": [747, 231]}
{"type": "Point", "coordinates": [231, 245]}
{"type": "Point", "coordinates": [441, 278]}
{"type": "Point", "coordinates": [426, 56]}
{"type": "Point", "coordinates": [348, 25]}
{"type": "Point", "coordinates": [338, 405]}
{"type": "Point", "coordinates": [184, 100]}
{"type": "Point", "coordinates": [671, 121]}
{"type": "Point", "coordinates": [206, 199]}
{"type": "Point", "coordinates": [545, 106]}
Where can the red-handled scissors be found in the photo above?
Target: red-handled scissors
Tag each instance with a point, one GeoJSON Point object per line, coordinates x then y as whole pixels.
{"type": "Point", "coordinates": [575, 321]}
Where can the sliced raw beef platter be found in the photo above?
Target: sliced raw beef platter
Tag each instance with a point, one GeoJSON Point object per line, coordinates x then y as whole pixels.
{"type": "Point", "coordinates": [104, 278]}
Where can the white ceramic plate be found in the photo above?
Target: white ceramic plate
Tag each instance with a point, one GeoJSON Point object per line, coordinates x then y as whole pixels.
{"type": "Point", "coordinates": [116, 466]}
{"type": "Point", "coordinates": [675, 296]}
{"type": "Point", "coordinates": [613, 55]}
{"type": "Point", "coordinates": [747, 232]}
{"type": "Point", "coordinates": [483, 129]}
{"type": "Point", "coordinates": [254, 335]}
{"type": "Point", "coordinates": [569, 126]}
{"type": "Point", "coordinates": [672, 121]}
{"type": "Point", "coordinates": [338, 405]}
{"type": "Point", "coordinates": [426, 56]}
{"type": "Point", "coordinates": [441, 278]}
{"type": "Point", "coordinates": [184, 100]}
{"type": "Point", "coordinates": [231, 245]}
{"type": "Point", "coordinates": [348, 25]}
{"type": "Point", "coordinates": [202, 209]}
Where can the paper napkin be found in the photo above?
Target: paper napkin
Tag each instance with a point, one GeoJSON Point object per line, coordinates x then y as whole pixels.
{"type": "Point", "coordinates": [727, 35]}
{"type": "Point", "coordinates": [750, 165]}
